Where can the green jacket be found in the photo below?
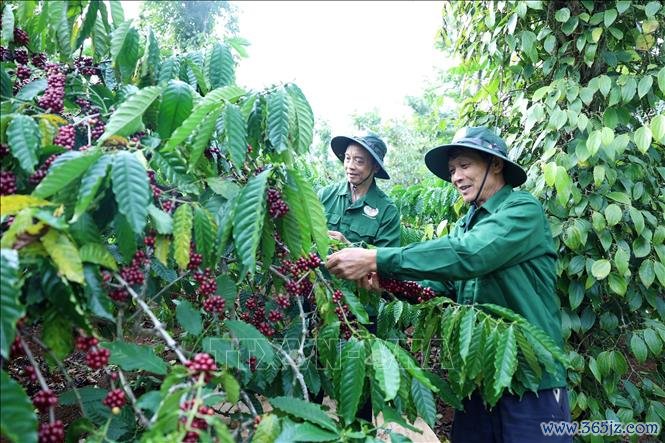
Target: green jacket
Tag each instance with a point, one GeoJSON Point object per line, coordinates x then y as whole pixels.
{"type": "Point", "coordinates": [506, 257]}
{"type": "Point", "coordinates": [373, 219]}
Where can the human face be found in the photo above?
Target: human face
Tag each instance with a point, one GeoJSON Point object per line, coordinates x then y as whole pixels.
{"type": "Point", "coordinates": [467, 170]}
{"type": "Point", "coordinates": [358, 164]}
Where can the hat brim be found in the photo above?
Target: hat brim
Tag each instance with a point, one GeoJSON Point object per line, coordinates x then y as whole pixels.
{"type": "Point", "coordinates": [340, 143]}
{"type": "Point", "coordinates": [436, 160]}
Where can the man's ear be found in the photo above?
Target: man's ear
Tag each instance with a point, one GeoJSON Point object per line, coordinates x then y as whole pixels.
{"type": "Point", "coordinates": [497, 165]}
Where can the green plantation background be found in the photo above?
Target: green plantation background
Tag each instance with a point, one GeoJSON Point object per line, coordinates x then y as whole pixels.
{"type": "Point", "coordinates": [151, 285]}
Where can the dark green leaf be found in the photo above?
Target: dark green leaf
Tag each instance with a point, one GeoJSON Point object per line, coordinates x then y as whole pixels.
{"type": "Point", "coordinates": [305, 410]}
{"type": "Point", "coordinates": [57, 16]}
{"type": "Point", "coordinates": [356, 307]}
{"type": "Point", "coordinates": [204, 233]}
{"type": "Point", "coordinates": [131, 357]}
{"type": "Point", "coordinates": [305, 118]}
{"type": "Point", "coordinates": [18, 421]}
{"type": "Point", "coordinates": [161, 220]}
{"type": "Point", "coordinates": [129, 55]}
{"type": "Point", "coordinates": [129, 110]}
{"type": "Point", "coordinates": [23, 136]}
{"type": "Point", "coordinates": [236, 134]}
{"type": "Point", "coordinates": [505, 362]}
{"type": "Point", "coordinates": [317, 219]}
{"type": "Point", "coordinates": [220, 66]}
{"type": "Point", "coordinates": [88, 24]}
{"type": "Point", "coordinates": [252, 341]}
{"type": "Point", "coordinates": [202, 137]}
{"type": "Point", "coordinates": [386, 371]}
{"type": "Point", "coordinates": [11, 307]}
{"type": "Point", "coordinates": [248, 219]}
{"type": "Point", "coordinates": [118, 38]}
{"type": "Point", "coordinates": [189, 317]}
{"type": "Point", "coordinates": [98, 254]}
{"type": "Point", "coordinates": [424, 401]}
{"type": "Point", "coordinates": [131, 188]}
{"type": "Point", "coordinates": [175, 107]}
{"type": "Point", "coordinates": [90, 183]}
{"type": "Point", "coordinates": [57, 335]}
{"type": "Point", "coordinates": [169, 69]}
{"type": "Point", "coordinates": [30, 91]}
{"type": "Point", "coordinates": [278, 120]}
{"type": "Point", "coordinates": [352, 378]}
{"type": "Point", "coordinates": [67, 168]}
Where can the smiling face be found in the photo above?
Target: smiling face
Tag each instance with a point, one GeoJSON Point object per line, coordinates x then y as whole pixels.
{"type": "Point", "coordinates": [467, 168]}
{"type": "Point", "coordinates": [358, 164]}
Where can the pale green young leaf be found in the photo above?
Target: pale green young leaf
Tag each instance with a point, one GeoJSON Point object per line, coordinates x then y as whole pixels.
{"type": "Point", "coordinates": [57, 17]}
{"type": "Point", "coordinates": [601, 268]}
{"type": "Point", "coordinates": [613, 214]}
{"type": "Point", "coordinates": [64, 254]}
{"type": "Point", "coordinates": [642, 138]}
{"type": "Point", "coordinates": [268, 429]}
{"type": "Point", "coordinates": [99, 254]}
{"type": "Point", "coordinates": [182, 234]}
{"type": "Point", "coordinates": [7, 34]}
{"type": "Point", "coordinates": [205, 230]}
{"type": "Point", "coordinates": [658, 128]}
{"type": "Point", "coordinates": [638, 348]}
{"type": "Point", "coordinates": [647, 273]}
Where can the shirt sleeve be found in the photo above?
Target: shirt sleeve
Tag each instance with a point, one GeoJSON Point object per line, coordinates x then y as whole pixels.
{"type": "Point", "coordinates": [500, 239]}
{"type": "Point", "coordinates": [388, 234]}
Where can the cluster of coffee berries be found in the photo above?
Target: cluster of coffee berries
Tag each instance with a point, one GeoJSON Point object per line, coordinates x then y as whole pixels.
{"type": "Point", "coordinates": [303, 288]}
{"type": "Point", "coordinates": [115, 399]}
{"type": "Point", "coordinates": [21, 37]}
{"type": "Point", "coordinates": [119, 295]}
{"type": "Point", "coordinates": [253, 363]}
{"type": "Point", "coordinates": [411, 290]}
{"type": "Point", "coordinates": [275, 316]}
{"type": "Point", "coordinates": [4, 150]}
{"type": "Point", "coordinates": [84, 343]}
{"type": "Point", "coordinates": [199, 421]}
{"type": "Point", "coordinates": [168, 206]}
{"type": "Point", "coordinates": [66, 137]}
{"type": "Point", "coordinates": [97, 127]}
{"type": "Point", "coordinates": [300, 266]}
{"type": "Point", "coordinates": [5, 54]}
{"type": "Point", "coordinates": [276, 206]}
{"type": "Point", "coordinates": [156, 190]}
{"type": "Point", "coordinates": [16, 350]}
{"type": "Point", "coordinates": [202, 363]}
{"type": "Point", "coordinates": [85, 66]}
{"type": "Point", "coordinates": [39, 60]}
{"type": "Point", "coordinates": [41, 172]}
{"type": "Point", "coordinates": [133, 274]}
{"type": "Point", "coordinates": [97, 358]}
{"type": "Point", "coordinates": [44, 399]}
{"type": "Point", "coordinates": [51, 432]}
{"type": "Point", "coordinates": [23, 72]}
{"type": "Point", "coordinates": [195, 259]}
{"type": "Point", "coordinates": [337, 296]}
{"type": "Point", "coordinates": [210, 151]}
{"type": "Point", "coordinates": [21, 56]}
{"type": "Point", "coordinates": [283, 300]}
{"type": "Point", "coordinates": [214, 305]}
{"type": "Point", "coordinates": [7, 183]}
{"type": "Point", "coordinates": [266, 329]}
{"type": "Point", "coordinates": [149, 240]}
{"type": "Point", "coordinates": [30, 373]}
{"type": "Point", "coordinates": [53, 98]}
{"type": "Point", "coordinates": [207, 283]}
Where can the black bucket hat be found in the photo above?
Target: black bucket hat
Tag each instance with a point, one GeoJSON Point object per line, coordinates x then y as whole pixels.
{"type": "Point", "coordinates": [372, 143]}
{"type": "Point", "coordinates": [481, 139]}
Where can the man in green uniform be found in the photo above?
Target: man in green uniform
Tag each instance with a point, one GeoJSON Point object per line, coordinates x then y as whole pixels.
{"type": "Point", "coordinates": [356, 209]}
{"type": "Point", "coordinates": [358, 212]}
{"type": "Point", "coordinates": [502, 252]}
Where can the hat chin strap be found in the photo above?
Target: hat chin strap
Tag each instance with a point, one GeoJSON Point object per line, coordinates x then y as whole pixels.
{"type": "Point", "coordinates": [355, 187]}
{"type": "Point", "coordinates": [482, 184]}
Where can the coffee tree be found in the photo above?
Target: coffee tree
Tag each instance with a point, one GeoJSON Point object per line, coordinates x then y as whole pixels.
{"type": "Point", "coordinates": [578, 88]}
{"type": "Point", "coordinates": [159, 242]}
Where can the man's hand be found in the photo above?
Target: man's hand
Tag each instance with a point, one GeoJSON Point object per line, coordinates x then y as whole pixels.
{"type": "Point", "coordinates": [352, 263]}
{"type": "Point", "coordinates": [338, 236]}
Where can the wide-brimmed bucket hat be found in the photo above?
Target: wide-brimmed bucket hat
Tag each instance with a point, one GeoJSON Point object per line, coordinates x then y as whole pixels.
{"type": "Point", "coordinates": [371, 142]}
{"type": "Point", "coordinates": [479, 138]}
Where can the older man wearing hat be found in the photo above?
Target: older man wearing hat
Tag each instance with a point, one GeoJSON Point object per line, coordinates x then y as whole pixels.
{"type": "Point", "coordinates": [356, 209]}
{"type": "Point", "coordinates": [501, 252]}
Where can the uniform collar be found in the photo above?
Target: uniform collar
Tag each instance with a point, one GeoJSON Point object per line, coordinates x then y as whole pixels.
{"type": "Point", "coordinates": [493, 203]}
{"type": "Point", "coordinates": [372, 198]}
